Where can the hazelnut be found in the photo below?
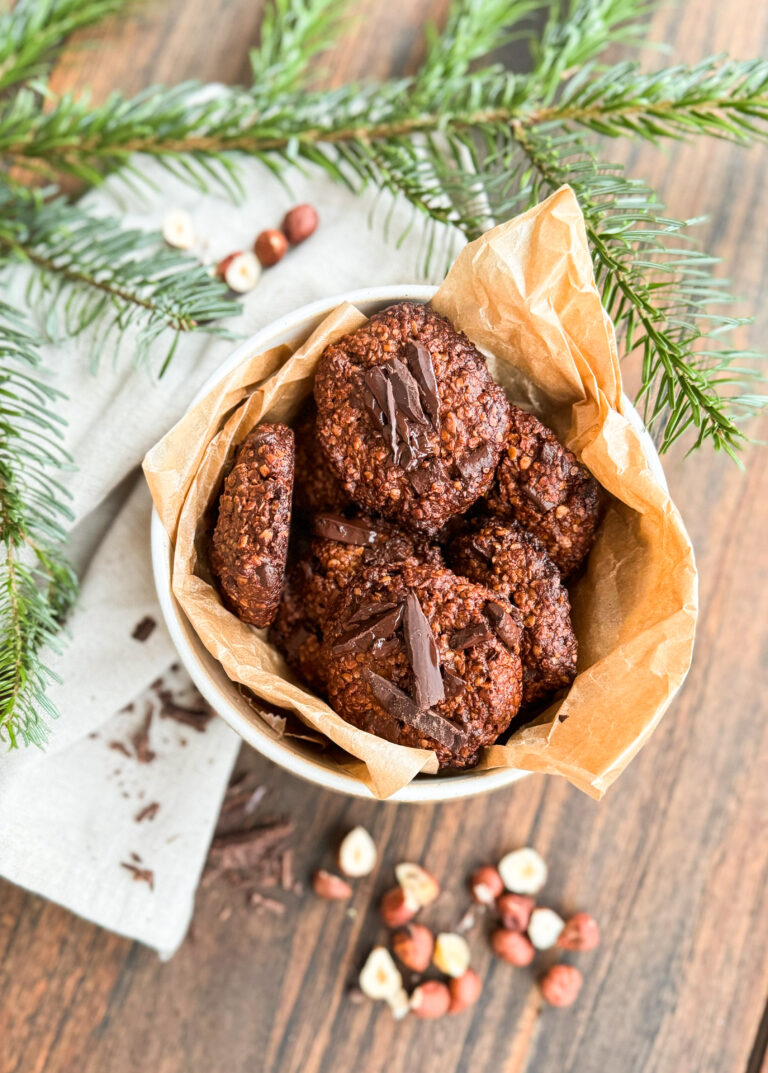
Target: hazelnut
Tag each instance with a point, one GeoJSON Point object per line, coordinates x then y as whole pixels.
{"type": "Point", "coordinates": [431, 999]}
{"type": "Point", "coordinates": [512, 946]}
{"type": "Point", "coordinates": [379, 977]}
{"type": "Point", "coordinates": [580, 933]}
{"type": "Point", "coordinates": [396, 908]}
{"type": "Point", "coordinates": [270, 247]}
{"type": "Point", "coordinates": [451, 954]}
{"type": "Point", "coordinates": [413, 945]}
{"type": "Point", "coordinates": [178, 230]}
{"type": "Point", "coordinates": [418, 883]}
{"type": "Point", "coordinates": [465, 990]}
{"type": "Point", "coordinates": [399, 1004]}
{"type": "Point", "coordinates": [240, 271]}
{"type": "Point", "coordinates": [327, 885]}
{"type": "Point", "coordinates": [523, 871]}
{"type": "Point", "coordinates": [515, 910]}
{"type": "Point", "coordinates": [560, 985]}
{"type": "Point", "coordinates": [299, 223]}
{"type": "Point", "coordinates": [544, 928]}
{"type": "Point", "coordinates": [486, 885]}
{"type": "Point", "coordinates": [357, 853]}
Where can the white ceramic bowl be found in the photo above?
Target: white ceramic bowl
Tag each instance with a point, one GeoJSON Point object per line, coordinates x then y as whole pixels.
{"type": "Point", "coordinates": [295, 756]}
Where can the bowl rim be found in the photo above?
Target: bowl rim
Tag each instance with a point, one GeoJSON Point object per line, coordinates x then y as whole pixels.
{"type": "Point", "coordinates": [424, 788]}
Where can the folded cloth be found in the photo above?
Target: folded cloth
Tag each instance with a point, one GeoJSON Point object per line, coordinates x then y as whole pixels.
{"type": "Point", "coordinates": [81, 827]}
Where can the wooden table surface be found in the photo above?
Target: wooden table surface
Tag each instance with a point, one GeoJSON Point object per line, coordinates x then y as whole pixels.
{"type": "Point", "coordinates": [674, 862]}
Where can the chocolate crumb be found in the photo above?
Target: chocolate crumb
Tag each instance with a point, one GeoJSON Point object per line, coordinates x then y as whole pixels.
{"type": "Point", "coordinates": [247, 849]}
{"type": "Point", "coordinates": [140, 741]}
{"type": "Point", "coordinates": [143, 629]}
{"type": "Point", "coordinates": [261, 901]}
{"type": "Point", "coordinates": [562, 717]}
{"type": "Point", "coordinates": [148, 812]}
{"type": "Point", "coordinates": [141, 875]}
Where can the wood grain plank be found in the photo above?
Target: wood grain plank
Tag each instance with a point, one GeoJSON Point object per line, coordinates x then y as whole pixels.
{"type": "Point", "coordinates": [674, 862]}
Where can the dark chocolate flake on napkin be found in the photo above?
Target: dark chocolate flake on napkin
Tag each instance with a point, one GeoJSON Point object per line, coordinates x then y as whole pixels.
{"type": "Point", "coordinates": [422, 654]}
{"type": "Point", "coordinates": [400, 706]}
{"type": "Point", "coordinates": [334, 527]}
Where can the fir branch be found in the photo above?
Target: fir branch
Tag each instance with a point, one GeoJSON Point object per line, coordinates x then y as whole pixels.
{"type": "Point", "coordinates": [661, 291]}
{"type": "Point", "coordinates": [34, 30]}
{"type": "Point", "coordinates": [293, 34]}
{"type": "Point", "coordinates": [37, 585]}
{"type": "Point", "coordinates": [122, 278]}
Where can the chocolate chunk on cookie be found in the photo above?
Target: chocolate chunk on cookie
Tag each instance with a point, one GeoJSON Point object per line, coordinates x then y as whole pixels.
{"type": "Point", "coordinates": [409, 417]}
{"type": "Point", "coordinates": [414, 687]}
{"type": "Point", "coordinates": [544, 487]}
{"type": "Point", "coordinates": [250, 541]}
{"type": "Point", "coordinates": [513, 563]}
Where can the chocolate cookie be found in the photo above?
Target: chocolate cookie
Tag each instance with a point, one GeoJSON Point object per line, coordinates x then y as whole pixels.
{"type": "Point", "coordinates": [315, 487]}
{"type": "Point", "coordinates": [250, 541]}
{"type": "Point", "coordinates": [544, 487]}
{"type": "Point", "coordinates": [421, 657]}
{"type": "Point", "coordinates": [409, 416]}
{"type": "Point", "coordinates": [511, 561]}
{"type": "Point", "coordinates": [340, 549]}
{"type": "Point", "coordinates": [295, 635]}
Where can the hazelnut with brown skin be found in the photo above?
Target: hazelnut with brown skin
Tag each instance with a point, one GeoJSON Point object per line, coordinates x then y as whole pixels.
{"type": "Point", "coordinates": [486, 885]}
{"type": "Point", "coordinates": [465, 991]}
{"type": "Point", "coordinates": [560, 985]}
{"type": "Point", "coordinates": [396, 908]}
{"type": "Point", "coordinates": [333, 888]}
{"type": "Point", "coordinates": [580, 933]}
{"type": "Point", "coordinates": [431, 999]}
{"type": "Point", "coordinates": [270, 247]}
{"type": "Point", "coordinates": [300, 223]}
{"type": "Point", "coordinates": [512, 946]}
{"type": "Point", "coordinates": [515, 910]}
{"type": "Point", "coordinates": [413, 945]}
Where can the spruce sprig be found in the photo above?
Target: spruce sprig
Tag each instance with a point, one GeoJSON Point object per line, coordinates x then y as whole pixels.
{"type": "Point", "coordinates": [37, 586]}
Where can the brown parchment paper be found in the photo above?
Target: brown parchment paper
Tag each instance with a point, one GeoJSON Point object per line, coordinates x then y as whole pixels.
{"type": "Point", "coordinates": [525, 293]}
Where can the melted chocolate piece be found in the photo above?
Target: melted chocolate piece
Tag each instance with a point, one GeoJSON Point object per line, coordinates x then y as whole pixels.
{"type": "Point", "coordinates": [503, 625]}
{"type": "Point", "coordinates": [382, 646]}
{"type": "Point", "coordinates": [371, 608]}
{"type": "Point", "coordinates": [400, 706]}
{"type": "Point", "coordinates": [334, 527]}
{"type": "Point", "coordinates": [539, 502]}
{"type": "Point", "coordinates": [419, 362]}
{"type": "Point", "coordinates": [422, 654]}
{"type": "Point", "coordinates": [361, 637]}
{"type": "Point", "coordinates": [454, 685]}
{"type": "Point", "coordinates": [406, 391]}
{"type": "Point", "coordinates": [470, 635]}
{"type": "Point", "coordinates": [392, 398]}
{"type": "Point", "coordinates": [476, 460]}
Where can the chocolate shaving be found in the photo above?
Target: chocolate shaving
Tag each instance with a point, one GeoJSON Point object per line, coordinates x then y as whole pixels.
{"type": "Point", "coordinates": [539, 502]}
{"type": "Point", "coordinates": [141, 875]}
{"type": "Point", "coordinates": [334, 527]}
{"type": "Point", "coordinates": [361, 637]}
{"type": "Point", "coordinates": [503, 625]}
{"type": "Point", "coordinates": [143, 629]}
{"type": "Point", "coordinates": [148, 812]}
{"type": "Point", "coordinates": [470, 635]}
{"type": "Point", "coordinates": [400, 706]}
{"type": "Point", "coordinates": [197, 717]}
{"type": "Point", "coordinates": [422, 654]}
{"type": "Point", "coordinates": [261, 901]}
{"type": "Point", "coordinates": [453, 684]}
{"type": "Point", "coordinates": [247, 849]}
{"type": "Point", "coordinates": [140, 741]}
{"type": "Point", "coordinates": [120, 748]}
{"type": "Point", "coordinates": [419, 362]}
